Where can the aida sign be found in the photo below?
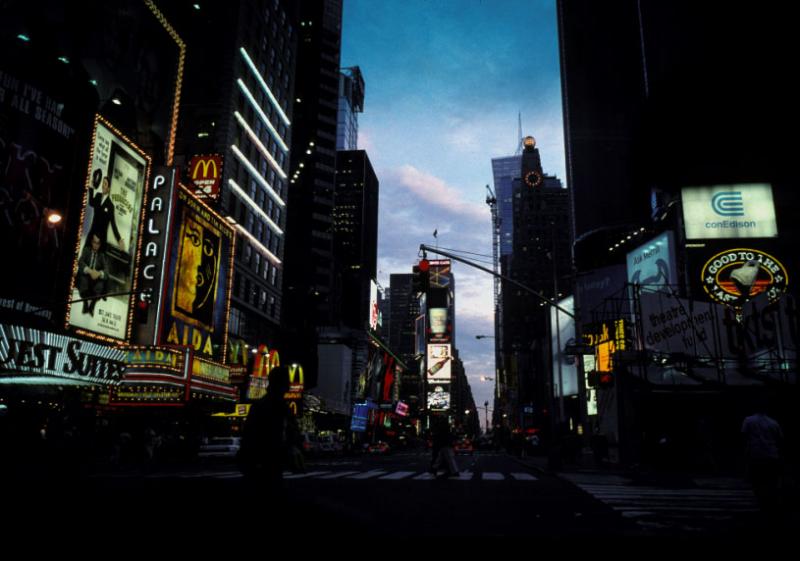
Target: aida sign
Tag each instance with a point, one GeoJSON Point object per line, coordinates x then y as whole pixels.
{"type": "Point", "coordinates": [729, 211]}
{"type": "Point", "coordinates": [736, 275]}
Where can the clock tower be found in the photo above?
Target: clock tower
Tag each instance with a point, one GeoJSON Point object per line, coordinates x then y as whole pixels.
{"type": "Point", "coordinates": [532, 175]}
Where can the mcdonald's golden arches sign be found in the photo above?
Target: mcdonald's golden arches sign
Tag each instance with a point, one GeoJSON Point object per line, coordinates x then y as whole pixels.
{"type": "Point", "coordinates": [205, 173]}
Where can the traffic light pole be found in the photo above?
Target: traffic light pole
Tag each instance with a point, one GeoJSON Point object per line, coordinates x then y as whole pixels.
{"type": "Point", "coordinates": [518, 284]}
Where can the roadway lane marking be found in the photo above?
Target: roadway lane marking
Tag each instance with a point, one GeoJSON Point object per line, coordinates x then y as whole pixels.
{"type": "Point", "coordinates": [523, 477]}
{"type": "Point", "coordinates": [492, 476]}
{"type": "Point", "coordinates": [398, 475]}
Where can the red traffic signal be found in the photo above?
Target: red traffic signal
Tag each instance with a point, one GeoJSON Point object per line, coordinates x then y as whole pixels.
{"type": "Point", "coordinates": [424, 265]}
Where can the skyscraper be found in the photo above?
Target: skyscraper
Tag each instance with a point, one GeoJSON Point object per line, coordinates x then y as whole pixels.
{"type": "Point", "coordinates": [238, 104]}
{"type": "Point", "coordinates": [310, 272]}
{"type": "Point", "coordinates": [355, 225]}
{"type": "Point", "coordinates": [351, 103]}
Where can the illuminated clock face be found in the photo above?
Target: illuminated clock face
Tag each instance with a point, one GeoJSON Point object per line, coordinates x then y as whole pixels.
{"type": "Point", "coordinates": [533, 179]}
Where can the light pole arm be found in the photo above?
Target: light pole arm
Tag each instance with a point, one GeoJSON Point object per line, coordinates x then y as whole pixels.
{"type": "Point", "coordinates": [518, 284]}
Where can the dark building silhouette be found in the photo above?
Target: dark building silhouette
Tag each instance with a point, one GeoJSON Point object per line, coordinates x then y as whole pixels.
{"type": "Point", "coordinates": [355, 234]}
{"type": "Point", "coordinates": [541, 259]}
{"type": "Point", "coordinates": [659, 97]}
{"type": "Point", "coordinates": [310, 293]}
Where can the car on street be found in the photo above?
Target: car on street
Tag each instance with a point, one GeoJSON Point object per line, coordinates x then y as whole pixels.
{"type": "Point", "coordinates": [219, 447]}
{"type": "Point", "coordinates": [463, 446]}
{"type": "Point", "coordinates": [378, 448]}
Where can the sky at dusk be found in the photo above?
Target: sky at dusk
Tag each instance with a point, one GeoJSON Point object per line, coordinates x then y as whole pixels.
{"type": "Point", "coordinates": [445, 82]}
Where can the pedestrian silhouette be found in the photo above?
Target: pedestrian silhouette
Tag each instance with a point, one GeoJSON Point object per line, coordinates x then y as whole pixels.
{"type": "Point", "coordinates": [268, 437]}
{"type": "Point", "coordinates": [763, 439]}
{"type": "Point", "coordinates": [443, 455]}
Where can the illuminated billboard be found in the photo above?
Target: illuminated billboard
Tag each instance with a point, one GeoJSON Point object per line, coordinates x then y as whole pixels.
{"type": "Point", "coordinates": [205, 174]}
{"type": "Point", "coordinates": [104, 271]}
{"type": "Point", "coordinates": [734, 276]}
{"type": "Point", "coordinates": [729, 211]}
{"type": "Point", "coordinates": [34, 355]}
{"type": "Point", "coordinates": [197, 299]}
{"type": "Point", "coordinates": [439, 363]}
{"type": "Point", "coordinates": [374, 311]}
{"type": "Point", "coordinates": [652, 264]}
{"type": "Point", "coordinates": [439, 397]}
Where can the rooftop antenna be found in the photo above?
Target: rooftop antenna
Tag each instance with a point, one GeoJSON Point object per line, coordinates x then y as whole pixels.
{"type": "Point", "coordinates": [519, 134]}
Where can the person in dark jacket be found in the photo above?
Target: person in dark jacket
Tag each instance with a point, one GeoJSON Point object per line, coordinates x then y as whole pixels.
{"type": "Point", "coordinates": [268, 435]}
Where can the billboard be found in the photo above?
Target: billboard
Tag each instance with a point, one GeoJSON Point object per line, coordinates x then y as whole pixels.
{"type": "Point", "coordinates": [734, 276]}
{"type": "Point", "coordinates": [196, 303]}
{"type": "Point", "coordinates": [729, 211]}
{"type": "Point", "coordinates": [38, 145]}
{"type": "Point", "coordinates": [439, 397]}
{"type": "Point", "coordinates": [439, 363]}
{"type": "Point", "coordinates": [103, 275]}
{"type": "Point", "coordinates": [653, 263]}
{"type": "Point", "coordinates": [565, 368]}
{"type": "Point", "coordinates": [374, 311]}
{"type": "Point", "coordinates": [205, 175]}
{"type": "Point", "coordinates": [33, 355]}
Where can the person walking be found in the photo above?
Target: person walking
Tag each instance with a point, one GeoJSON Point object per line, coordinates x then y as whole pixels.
{"type": "Point", "coordinates": [763, 440]}
{"type": "Point", "coordinates": [268, 437]}
{"type": "Point", "coordinates": [443, 455]}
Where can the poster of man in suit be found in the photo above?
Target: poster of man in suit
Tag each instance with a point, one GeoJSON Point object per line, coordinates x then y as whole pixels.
{"type": "Point", "coordinates": [110, 224]}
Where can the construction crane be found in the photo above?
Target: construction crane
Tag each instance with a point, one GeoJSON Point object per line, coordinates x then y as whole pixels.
{"type": "Point", "coordinates": [491, 200]}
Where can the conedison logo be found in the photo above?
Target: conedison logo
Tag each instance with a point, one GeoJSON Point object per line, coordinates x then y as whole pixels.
{"type": "Point", "coordinates": [728, 203]}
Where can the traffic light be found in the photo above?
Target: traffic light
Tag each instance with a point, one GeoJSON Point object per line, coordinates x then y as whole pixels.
{"type": "Point", "coordinates": [421, 278]}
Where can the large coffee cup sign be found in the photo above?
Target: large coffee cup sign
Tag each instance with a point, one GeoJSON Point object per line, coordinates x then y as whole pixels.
{"type": "Point", "coordinates": [735, 276]}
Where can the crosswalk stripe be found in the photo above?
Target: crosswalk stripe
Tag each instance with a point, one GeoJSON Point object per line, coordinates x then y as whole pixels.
{"type": "Point", "coordinates": [492, 476]}
{"type": "Point", "coordinates": [337, 475]}
{"type": "Point", "coordinates": [424, 477]}
{"type": "Point", "coordinates": [304, 475]}
{"type": "Point", "coordinates": [398, 475]}
{"type": "Point", "coordinates": [368, 474]}
{"type": "Point", "coordinates": [523, 477]}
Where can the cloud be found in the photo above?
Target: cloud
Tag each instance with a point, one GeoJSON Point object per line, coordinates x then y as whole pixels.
{"type": "Point", "coordinates": [436, 192]}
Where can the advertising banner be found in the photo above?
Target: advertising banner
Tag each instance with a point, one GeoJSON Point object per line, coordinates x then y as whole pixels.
{"type": "Point", "coordinates": [439, 397]}
{"type": "Point", "coordinates": [37, 147]}
{"type": "Point", "coordinates": [205, 174]}
{"type": "Point", "coordinates": [103, 276]}
{"type": "Point", "coordinates": [439, 363]}
{"type": "Point", "coordinates": [34, 354]}
{"type": "Point", "coordinates": [565, 368]}
{"type": "Point", "coordinates": [729, 211]}
{"type": "Point", "coordinates": [374, 311]}
{"type": "Point", "coordinates": [197, 300]}
{"type": "Point", "coordinates": [652, 264]}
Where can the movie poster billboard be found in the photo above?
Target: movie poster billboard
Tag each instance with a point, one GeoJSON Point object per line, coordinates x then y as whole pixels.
{"type": "Point", "coordinates": [38, 144]}
{"type": "Point", "coordinates": [197, 299]}
{"type": "Point", "coordinates": [103, 276]}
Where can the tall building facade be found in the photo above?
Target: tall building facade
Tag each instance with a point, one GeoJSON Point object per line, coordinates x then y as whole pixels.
{"type": "Point", "coordinates": [541, 259]}
{"type": "Point", "coordinates": [242, 111]}
{"type": "Point", "coordinates": [662, 129]}
{"type": "Point", "coordinates": [404, 310]}
{"type": "Point", "coordinates": [355, 234]}
{"type": "Point", "coordinates": [310, 271]}
{"type": "Point", "coordinates": [351, 103]}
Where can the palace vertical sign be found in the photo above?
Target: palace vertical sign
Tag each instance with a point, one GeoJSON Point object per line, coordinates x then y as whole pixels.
{"type": "Point", "coordinates": [153, 257]}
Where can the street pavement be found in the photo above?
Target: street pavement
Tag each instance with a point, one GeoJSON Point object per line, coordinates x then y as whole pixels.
{"type": "Point", "coordinates": [494, 495]}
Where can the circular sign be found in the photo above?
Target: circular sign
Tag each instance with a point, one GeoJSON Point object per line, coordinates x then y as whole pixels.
{"type": "Point", "coordinates": [734, 276]}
